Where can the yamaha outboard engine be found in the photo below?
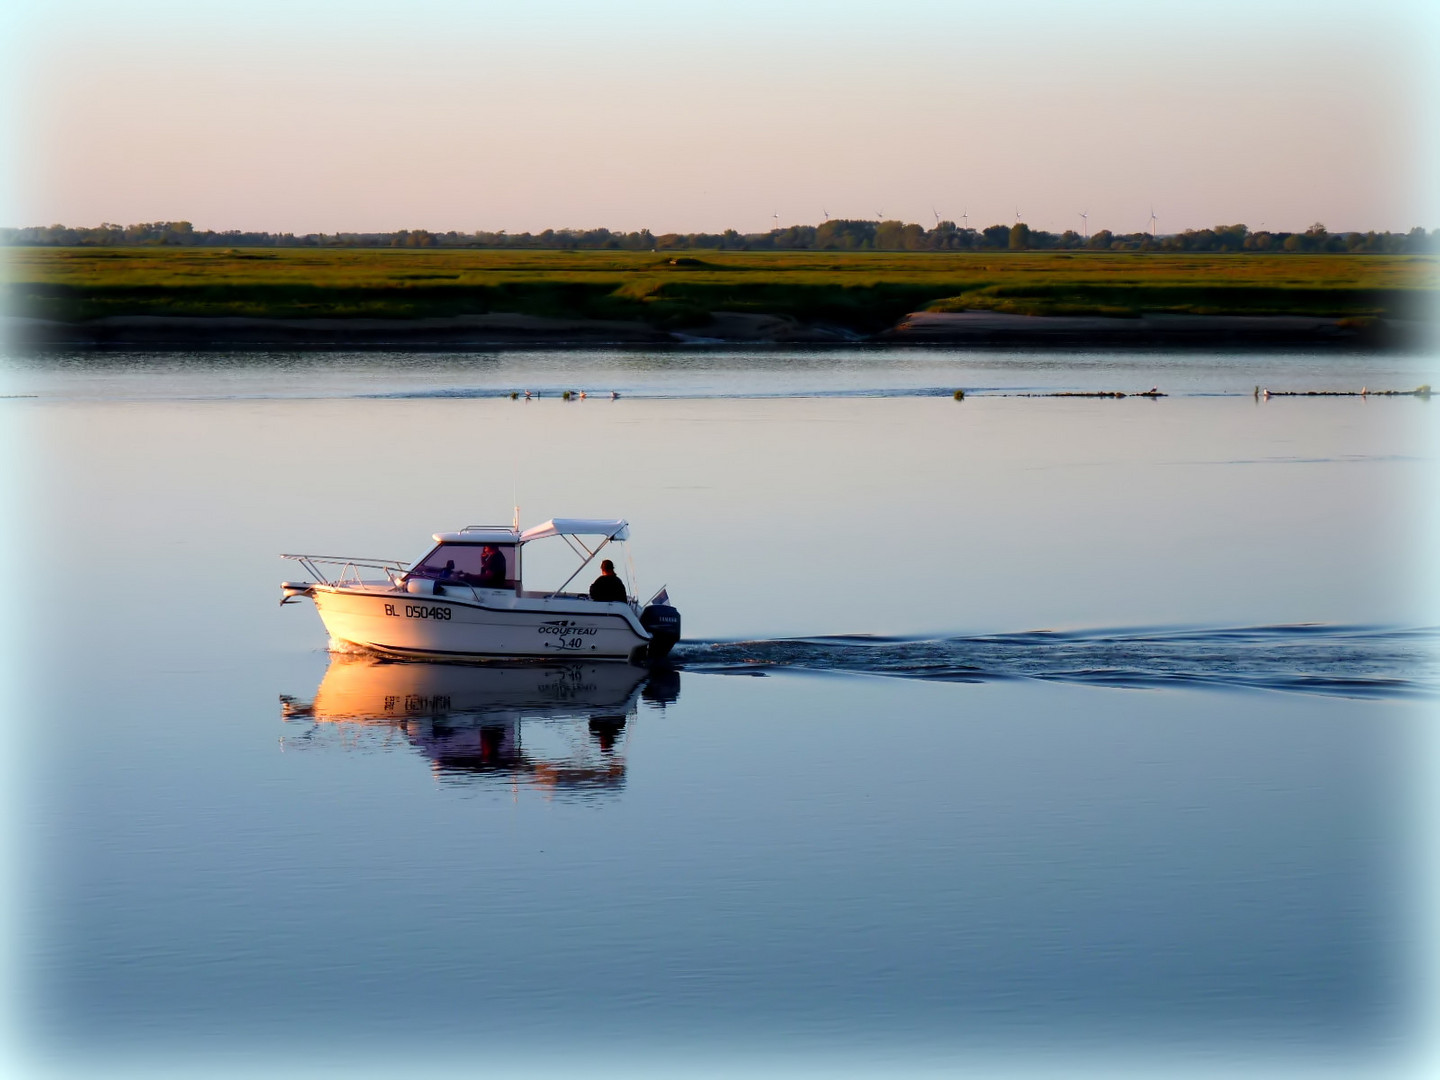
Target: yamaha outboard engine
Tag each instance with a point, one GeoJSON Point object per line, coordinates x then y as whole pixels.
{"type": "Point", "coordinates": [663, 622]}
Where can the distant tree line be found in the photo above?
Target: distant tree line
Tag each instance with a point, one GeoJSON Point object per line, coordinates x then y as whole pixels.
{"type": "Point", "coordinates": [837, 235]}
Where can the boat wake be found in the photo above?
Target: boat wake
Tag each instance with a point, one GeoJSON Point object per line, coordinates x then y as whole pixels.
{"type": "Point", "coordinates": [1342, 661]}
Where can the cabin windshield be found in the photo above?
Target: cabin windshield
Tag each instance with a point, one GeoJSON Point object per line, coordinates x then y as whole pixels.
{"type": "Point", "coordinates": [490, 566]}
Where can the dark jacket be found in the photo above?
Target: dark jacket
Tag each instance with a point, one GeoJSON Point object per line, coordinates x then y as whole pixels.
{"type": "Point", "coordinates": [607, 587]}
{"type": "Point", "coordinates": [492, 569]}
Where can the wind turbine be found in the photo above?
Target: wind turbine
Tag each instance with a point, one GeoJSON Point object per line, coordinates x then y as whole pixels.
{"type": "Point", "coordinates": [1154, 222]}
{"type": "Point", "coordinates": [879, 215]}
{"type": "Point", "coordinates": [826, 213]}
{"type": "Point", "coordinates": [965, 219]}
{"type": "Point", "coordinates": [937, 216]}
{"type": "Point", "coordinates": [1085, 218]}
{"type": "Point", "coordinates": [776, 216]}
{"type": "Point", "coordinates": [1017, 215]}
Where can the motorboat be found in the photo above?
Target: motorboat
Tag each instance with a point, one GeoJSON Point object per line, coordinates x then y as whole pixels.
{"type": "Point", "coordinates": [557, 727]}
{"type": "Point", "coordinates": [466, 599]}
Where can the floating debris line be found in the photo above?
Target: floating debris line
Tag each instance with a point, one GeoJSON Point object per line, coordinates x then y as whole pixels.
{"type": "Point", "coordinates": [1422, 392]}
{"type": "Point", "coordinates": [1151, 393]}
{"type": "Point", "coordinates": [1418, 392]}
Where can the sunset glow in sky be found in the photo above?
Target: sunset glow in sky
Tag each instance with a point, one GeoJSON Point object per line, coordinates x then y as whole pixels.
{"type": "Point", "coordinates": [307, 116]}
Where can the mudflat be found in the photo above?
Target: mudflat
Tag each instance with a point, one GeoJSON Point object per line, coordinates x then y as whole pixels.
{"type": "Point", "coordinates": [510, 330]}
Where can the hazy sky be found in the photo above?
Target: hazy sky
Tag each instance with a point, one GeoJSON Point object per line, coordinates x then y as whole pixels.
{"type": "Point", "coordinates": [311, 116]}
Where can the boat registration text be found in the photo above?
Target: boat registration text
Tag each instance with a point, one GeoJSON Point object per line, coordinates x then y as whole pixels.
{"type": "Point", "coordinates": [418, 611]}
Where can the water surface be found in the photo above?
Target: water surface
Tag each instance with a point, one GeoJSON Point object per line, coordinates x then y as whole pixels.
{"type": "Point", "coordinates": [1084, 730]}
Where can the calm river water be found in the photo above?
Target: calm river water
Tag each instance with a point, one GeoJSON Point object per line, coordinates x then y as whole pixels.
{"type": "Point", "coordinates": [1013, 731]}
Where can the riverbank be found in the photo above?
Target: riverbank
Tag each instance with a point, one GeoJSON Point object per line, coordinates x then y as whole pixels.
{"type": "Point", "coordinates": [320, 299]}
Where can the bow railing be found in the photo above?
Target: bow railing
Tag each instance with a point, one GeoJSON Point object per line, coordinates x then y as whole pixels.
{"type": "Point", "coordinates": [350, 568]}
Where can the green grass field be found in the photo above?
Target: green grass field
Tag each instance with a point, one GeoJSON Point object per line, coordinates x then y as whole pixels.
{"type": "Point", "coordinates": [865, 291]}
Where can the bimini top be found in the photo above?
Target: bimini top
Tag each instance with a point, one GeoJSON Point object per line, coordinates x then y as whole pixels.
{"type": "Point", "coordinates": [611, 530]}
{"type": "Point", "coordinates": [500, 534]}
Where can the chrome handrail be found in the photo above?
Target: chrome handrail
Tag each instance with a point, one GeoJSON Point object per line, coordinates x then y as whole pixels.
{"type": "Point", "coordinates": [338, 559]}
{"type": "Point", "coordinates": [312, 564]}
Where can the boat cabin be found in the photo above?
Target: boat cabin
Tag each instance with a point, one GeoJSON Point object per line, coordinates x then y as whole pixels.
{"type": "Point", "coordinates": [491, 556]}
{"type": "Point", "coordinates": [487, 558]}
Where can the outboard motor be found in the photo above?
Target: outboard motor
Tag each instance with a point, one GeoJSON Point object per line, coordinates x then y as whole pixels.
{"type": "Point", "coordinates": [663, 622]}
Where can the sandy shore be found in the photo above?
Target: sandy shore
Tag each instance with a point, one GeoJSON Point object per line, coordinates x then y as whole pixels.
{"type": "Point", "coordinates": [980, 328]}
{"type": "Point", "coordinates": [158, 331]}
{"type": "Point", "coordinates": [967, 328]}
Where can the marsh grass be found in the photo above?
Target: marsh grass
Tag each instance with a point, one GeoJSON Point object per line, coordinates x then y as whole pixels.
{"type": "Point", "coordinates": [865, 291]}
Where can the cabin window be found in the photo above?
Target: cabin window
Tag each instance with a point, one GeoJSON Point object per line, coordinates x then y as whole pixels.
{"type": "Point", "coordinates": [464, 564]}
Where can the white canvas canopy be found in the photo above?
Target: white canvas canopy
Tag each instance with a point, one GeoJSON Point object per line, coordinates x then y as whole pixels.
{"type": "Point", "coordinates": [611, 530]}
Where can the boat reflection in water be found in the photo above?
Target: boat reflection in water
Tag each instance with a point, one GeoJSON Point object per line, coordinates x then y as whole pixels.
{"type": "Point", "coordinates": [560, 728]}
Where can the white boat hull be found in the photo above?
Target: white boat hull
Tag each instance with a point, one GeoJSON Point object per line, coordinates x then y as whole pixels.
{"type": "Point", "coordinates": [478, 624]}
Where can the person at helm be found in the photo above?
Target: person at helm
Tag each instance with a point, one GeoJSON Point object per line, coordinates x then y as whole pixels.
{"type": "Point", "coordinates": [492, 567]}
